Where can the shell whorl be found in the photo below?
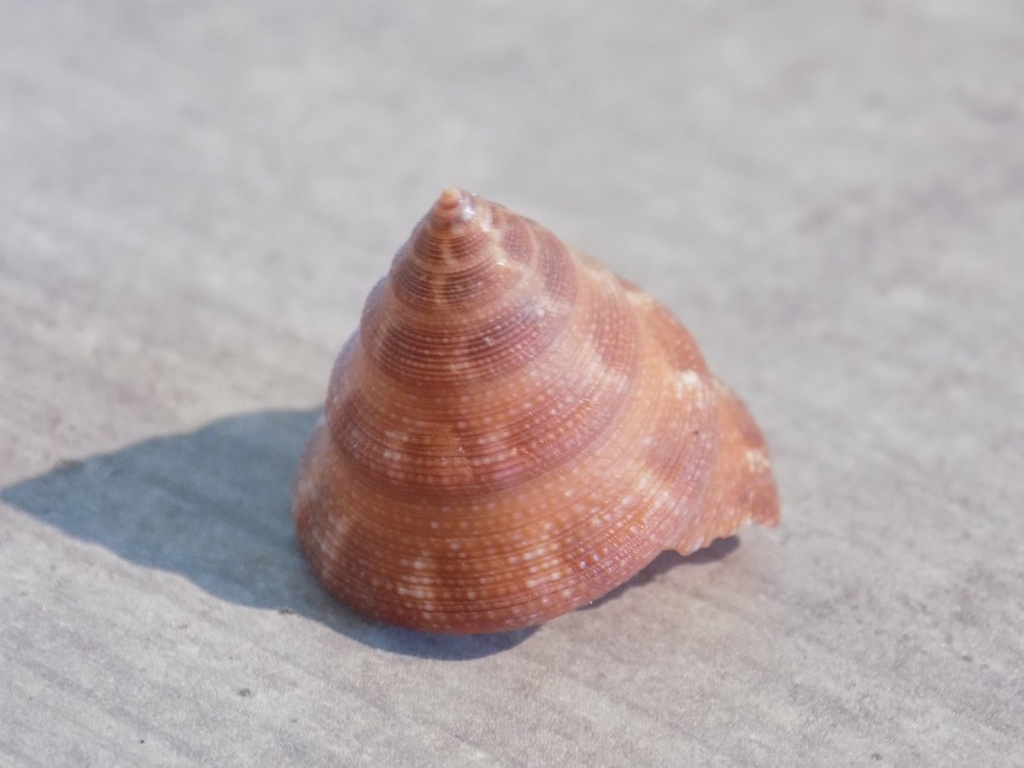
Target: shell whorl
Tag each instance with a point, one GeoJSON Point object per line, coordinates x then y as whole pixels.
{"type": "Point", "coordinates": [512, 432]}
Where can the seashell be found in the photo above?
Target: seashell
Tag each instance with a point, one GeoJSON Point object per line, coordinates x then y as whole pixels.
{"type": "Point", "coordinates": [513, 431]}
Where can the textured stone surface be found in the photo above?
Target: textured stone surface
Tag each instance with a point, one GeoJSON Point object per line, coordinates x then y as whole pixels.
{"type": "Point", "coordinates": [194, 201]}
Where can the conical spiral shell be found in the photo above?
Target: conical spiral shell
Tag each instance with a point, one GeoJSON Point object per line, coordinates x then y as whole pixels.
{"type": "Point", "coordinates": [514, 431]}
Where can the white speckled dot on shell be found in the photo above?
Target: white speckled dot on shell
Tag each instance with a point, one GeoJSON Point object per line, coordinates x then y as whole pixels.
{"type": "Point", "coordinates": [513, 432]}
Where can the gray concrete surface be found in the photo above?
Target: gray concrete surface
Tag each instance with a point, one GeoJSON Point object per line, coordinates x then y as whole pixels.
{"type": "Point", "coordinates": [194, 200]}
